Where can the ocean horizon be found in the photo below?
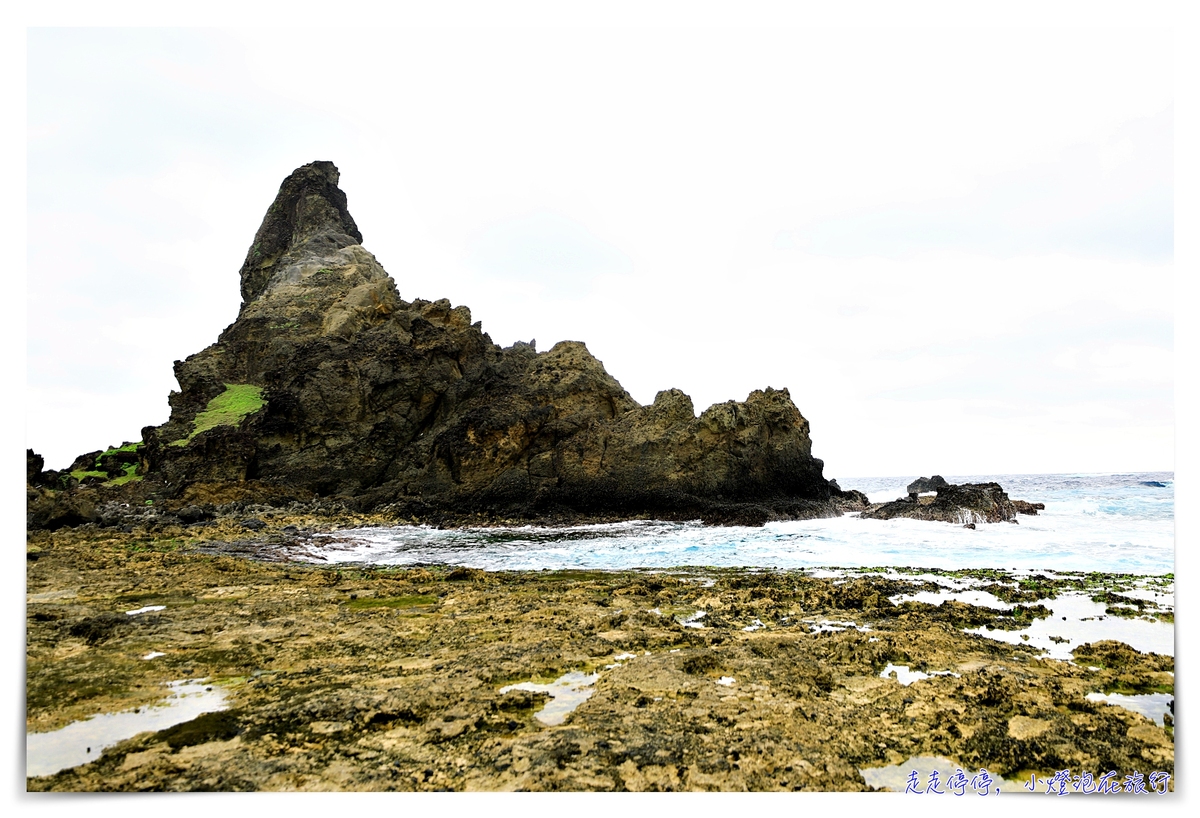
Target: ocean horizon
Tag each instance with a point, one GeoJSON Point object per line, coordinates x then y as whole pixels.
{"type": "Point", "coordinates": [1120, 522]}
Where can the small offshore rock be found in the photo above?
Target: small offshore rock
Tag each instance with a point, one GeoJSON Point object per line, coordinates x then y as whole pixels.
{"type": "Point", "coordinates": [924, 484]}
{"type": "Point", "coordinates": [961, 504]}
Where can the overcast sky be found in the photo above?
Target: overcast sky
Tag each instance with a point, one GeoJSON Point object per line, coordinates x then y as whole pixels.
{"type": "Point", "coordinates": [953, 246]}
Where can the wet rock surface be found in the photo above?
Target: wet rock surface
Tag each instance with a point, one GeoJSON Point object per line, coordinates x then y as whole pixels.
{"type": "Point", "coordinates": [390, 679]}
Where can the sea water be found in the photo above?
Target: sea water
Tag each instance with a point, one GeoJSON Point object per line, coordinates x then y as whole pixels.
{"type": "Point", "coordinates": [1118, 523]}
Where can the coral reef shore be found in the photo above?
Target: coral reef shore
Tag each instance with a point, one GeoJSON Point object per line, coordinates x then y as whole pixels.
{"type": "Point", "coordinates": [402, 679]}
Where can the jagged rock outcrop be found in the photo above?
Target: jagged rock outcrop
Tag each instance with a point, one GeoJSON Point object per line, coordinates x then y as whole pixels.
{"type": "Point", "coordinates": [848, 500]}
{"type": "Point", "coordinates": [34, 465]}
{"type": "Point", "coordinates": [924, 484]}
{"type": "Point", "coordinates": [329, 383]}
{"type": "Point", "coordinates": [966, 504]}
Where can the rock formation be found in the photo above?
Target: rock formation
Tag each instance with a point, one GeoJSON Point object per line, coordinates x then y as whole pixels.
{"type": "Point", "coordinates": [924, 484]}
{"type": "Point", "coordinates": [330, 384]}
{"type": "Point", "coordinates": [966, 504]}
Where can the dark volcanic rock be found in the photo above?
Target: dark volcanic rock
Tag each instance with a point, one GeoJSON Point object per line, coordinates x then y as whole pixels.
{"type": "Point", "coordinates": [36, 474]}
{"type": "Point", "coordinates": [97, 629]}
{"type": "Point", "coordinates": [961, 504]}
{"type": "Point", "coordinates": [330, 384]}
{"type": "Point", "coordinates": [923, 484]}
{"type": "Point", "coordinates": [34, 464]}
{"type": "Point", "coordinates": [193, 514]}
{"type": "Point", "coordinates": [57, 509]}
{"type": "Point", "coordinates": [851, 500]}
{"type": "Point", "coordinates": [309, 211]}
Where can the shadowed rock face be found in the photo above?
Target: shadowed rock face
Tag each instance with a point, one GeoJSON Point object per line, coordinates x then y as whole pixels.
{"type": "Point", "coordinates": [923, 484]}
{"type": "Point", "coordinates": [411, 404]}
{"type": "Point", "coordinates": [308, 215]}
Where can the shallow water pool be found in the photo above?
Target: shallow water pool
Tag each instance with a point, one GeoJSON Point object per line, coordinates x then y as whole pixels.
{"type": "Point", "coordinates": [1153, 706]}
{"type": "Point", "coordinates": [566, 693]}
{"type": "Point", "coordinates": [1076, 620]}
{"type": "Point", "coordinates": [83, 741]}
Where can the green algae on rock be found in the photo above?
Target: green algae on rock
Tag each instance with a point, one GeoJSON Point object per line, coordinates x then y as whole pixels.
{"type": "Point", "coordinates": [229, 408]}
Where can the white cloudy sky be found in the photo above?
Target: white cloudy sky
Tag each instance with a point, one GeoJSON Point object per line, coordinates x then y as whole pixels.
{"type": "Point", "coordinates": [954, 246]}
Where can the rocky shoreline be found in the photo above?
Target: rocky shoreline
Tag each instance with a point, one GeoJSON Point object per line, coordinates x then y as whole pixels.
{"type": "Point", "coordinates": [53, 503]}
{"type": "Point", "coordinates": [332, 403]}
{"type": "Point", "coordinates": [344, 678]}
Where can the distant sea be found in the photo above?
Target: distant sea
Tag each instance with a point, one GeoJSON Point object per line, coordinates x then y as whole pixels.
{"type": "Point", "coordinates": [1119, 523]}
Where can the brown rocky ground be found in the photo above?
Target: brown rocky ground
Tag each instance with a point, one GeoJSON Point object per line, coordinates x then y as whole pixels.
{"type": "Point", "coordinates": [389, 679]}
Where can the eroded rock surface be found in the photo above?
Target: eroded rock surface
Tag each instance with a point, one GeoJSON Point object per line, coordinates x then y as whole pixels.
{"type": "Point", "coordinates": [923, 484]}
{"type": "Point", "coordinates": [965, 504]}
{"type": "Point", "coordinates": [330, 384]}
{"type": "Point", "coordinates": [391, 679]}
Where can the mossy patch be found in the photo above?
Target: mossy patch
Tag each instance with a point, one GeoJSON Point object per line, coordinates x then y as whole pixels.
{"type": "Point", "coordinates": [230, 408]}
{"type": "Point", "coordinates": [127, 447]}
{"type": "Point", "coordinates": [577, 575]}
{"type": "Point", "coordinates": [153, 546]}
{"type": "Point", "coordinates": [81, 474]}
{"type": "Point", "coordinates": [681, 611]}
{"type": "Point", "coordinates": [130, 475]}
{"type": "Point", "coordinates": [171, 599]}
{"type": "Point", "coordinates": [411, 601]}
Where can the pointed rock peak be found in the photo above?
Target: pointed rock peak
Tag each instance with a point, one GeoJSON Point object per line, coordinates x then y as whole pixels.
{"type": "Point", "coordinates": [310, 207]}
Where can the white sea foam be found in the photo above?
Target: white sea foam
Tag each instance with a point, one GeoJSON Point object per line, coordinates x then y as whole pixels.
{"type": "Point", "coordinates": [1112, 523]}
